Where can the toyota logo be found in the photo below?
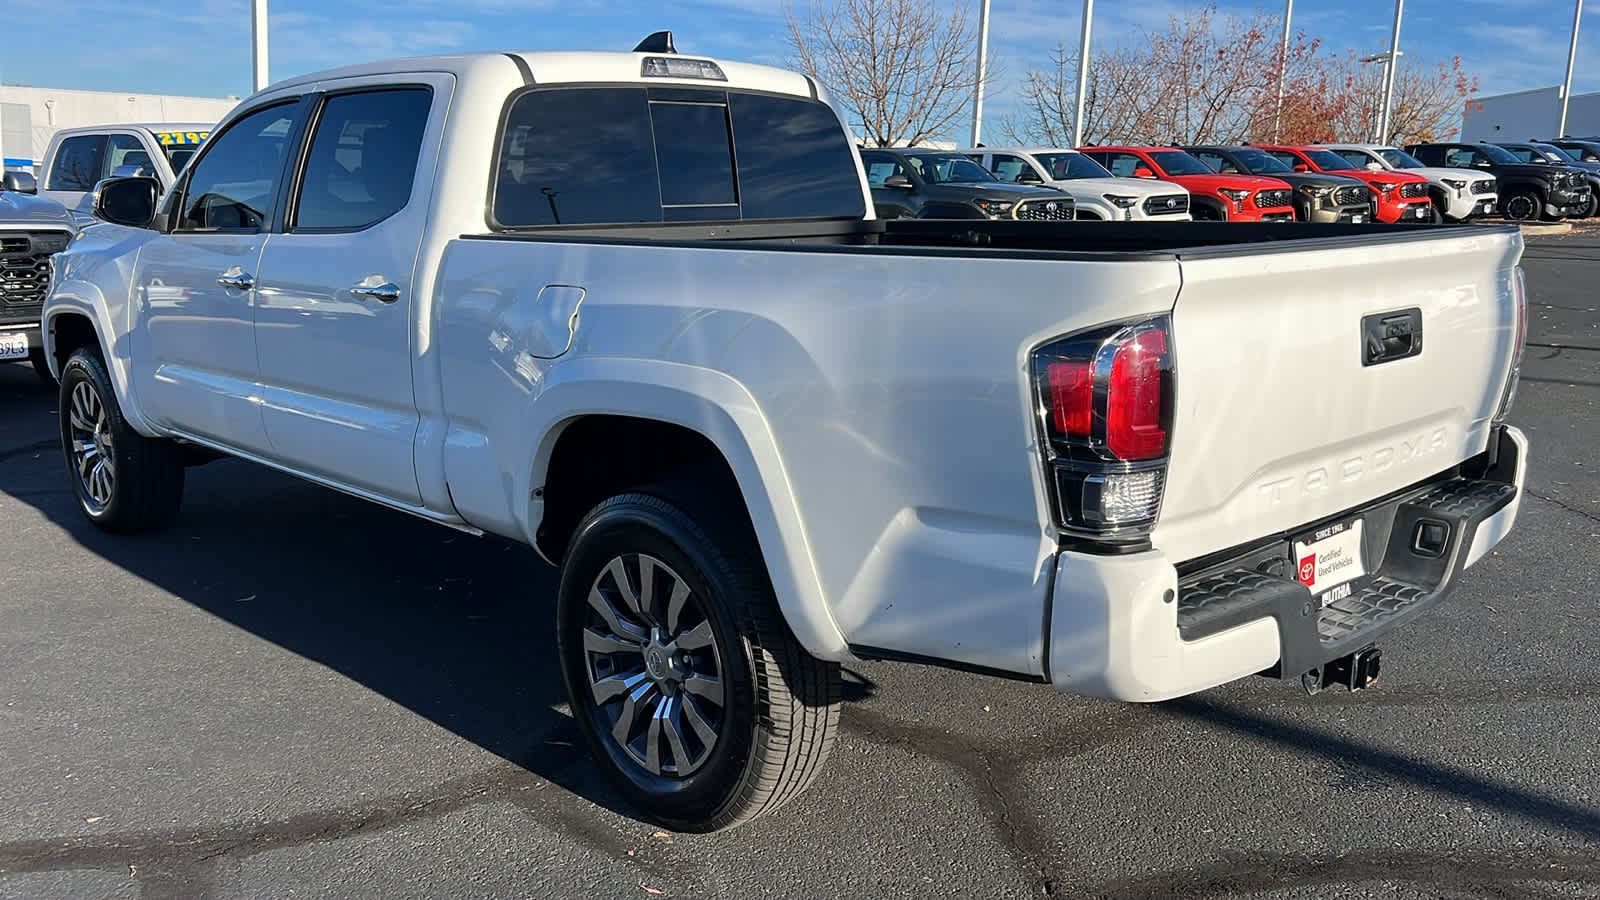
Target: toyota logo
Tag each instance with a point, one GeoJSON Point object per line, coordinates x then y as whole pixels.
{"type": "Point", "coordinates": [1171, 203]}
{"type": "Point", "coordinates": [1051, 206]}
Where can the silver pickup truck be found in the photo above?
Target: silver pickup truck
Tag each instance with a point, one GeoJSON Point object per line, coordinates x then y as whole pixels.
{"type": "Point", "coordinates": [78, 158]}
{"type": "Point", "coordinates": [633, 310]}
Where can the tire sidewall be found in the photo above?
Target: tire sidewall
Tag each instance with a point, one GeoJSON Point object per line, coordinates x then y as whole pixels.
{"type": "Point", "coordinates": [635, 524]}
{"type": "Point", "coordinates": [1528, 197]}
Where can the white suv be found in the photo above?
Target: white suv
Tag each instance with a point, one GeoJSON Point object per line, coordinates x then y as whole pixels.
{"type": "Point", "coordinates": [1100, 194]}
{"type": "Point", "coordinates": [1459, 194]}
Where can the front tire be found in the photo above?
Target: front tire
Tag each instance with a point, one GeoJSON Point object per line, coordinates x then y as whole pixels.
{"type": "Point", "coordinates": [682, 675]}
{"type": "Point", "coordinates": [125, 482]}
{"type": "Point", "coordinates": [41, 368]}
{"type": "Point", "coordinates": [1522, 206]}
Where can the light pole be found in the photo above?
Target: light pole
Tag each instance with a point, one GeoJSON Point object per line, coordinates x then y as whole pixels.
{"type": "Point", "coordinates": [1387, 60]}
{"type": "Point", "coordinates": [1283, 65]}
{"type": "Point", "coordinates": [1566, 86]}
{"type": "Point", "coordinates": [983, 54]}
{"type": "Point", "coordinates": [258, 35]}
{"type": "Point", "coordinates": [1083, 73]}
{"type": "Point", "coordinates": [1388, 74]}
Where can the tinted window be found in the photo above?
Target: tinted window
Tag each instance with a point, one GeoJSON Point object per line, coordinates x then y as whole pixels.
{"type": "Point", "coordinates": [949, 168]}
{"type": "Point", "coordinates": [1523, 154]}
{"type": "Point", "coordinates": [577, 156]}
{"type": "Point", "coordinates": [1285, 157]}
{"type": "Point", "coordinates": [363, 158]}
{"type": "Point", "coordinates": [78, 163]}
{"type": "Point", "coordinates": [1496, 154]}
{"type": "Point", "coordinates": [1328, 161]}
{"type": "Point", "coordinates": [1259, 162]}
{"type": "Point", "coordinates": [1214, 160]}
{"type": "Point", "coordinates": [1433, 156]}
{"type": "Point", "coordinates": [694, 156]}
{"type": "Point", "coordinates": [234, 183]}
{"type": "Point", "coordinates": [1176, 162]}
{"type": "Point", "coordinates": [794, 159]}
{"type": "Point", "coordinates": [125, 155]}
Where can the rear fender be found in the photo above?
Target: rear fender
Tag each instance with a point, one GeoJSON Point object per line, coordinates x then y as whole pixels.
{"type": "Point", "coordinates": [717, 407]}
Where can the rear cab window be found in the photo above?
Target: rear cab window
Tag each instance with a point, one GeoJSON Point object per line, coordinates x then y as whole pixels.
{"type": "Point", "coordinates": [629, 155]}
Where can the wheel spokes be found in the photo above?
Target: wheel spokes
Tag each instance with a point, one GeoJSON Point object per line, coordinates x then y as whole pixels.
{"type": "Point", "coordinates": [704, 686]}
{"type": "Point", "coordinates": [613, 616]}
{"type": "Point", "coordinates": [600, 642]}
{"type": "Point", "coordinates": [696, 637]}
{"type": "Point", "coordinates": [608, 689]}
{"type": "Point", "coordinates": [675, 603]}
{"type": "Point", "coordinates": [632, 708]}
{"type": "Point", "coordinates": [697, 721]}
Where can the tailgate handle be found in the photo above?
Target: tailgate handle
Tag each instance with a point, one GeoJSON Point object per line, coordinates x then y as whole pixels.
{"type": "Point", "coordinates": [1389, 336]}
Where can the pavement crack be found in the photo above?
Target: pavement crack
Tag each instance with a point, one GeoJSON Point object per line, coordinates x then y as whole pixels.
{"type": "Point", "coordinates": [1564, 505]}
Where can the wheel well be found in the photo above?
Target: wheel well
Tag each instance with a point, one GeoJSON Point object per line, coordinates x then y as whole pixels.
{"type": "Point", "coordinates": [1088, 215]}
{"type": "Point", "coordinates": [72, 331]}
{"type": "Point", "coordinates": [601, 456]}
{"type": "Point", "coordinates": [1207, 203]}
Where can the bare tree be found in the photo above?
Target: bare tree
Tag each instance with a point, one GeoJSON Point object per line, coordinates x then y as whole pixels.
{"type": "Point", "coordinates": [902, 68]}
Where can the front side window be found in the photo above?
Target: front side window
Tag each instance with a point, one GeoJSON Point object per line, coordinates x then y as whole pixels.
{"type": "Point", "coordinates": [1457, 158]}
{"type": "Point", "coordinates": [1176, 162]}
{"type": "Point", "coordinates": [1523, 154]}
{"type": "Point", "coordinates": [233, 185]}
{"type": "Point", "coordinates": [1260, 162]}
{"type": "Point", "coordinates": [79, 162]}
{"type": "Point", "coordinates": [881, 166]}
{"type": "Point", "coordinates": [1062, 166]}
{"type": "Point", "coordinates": [1123, 165]}
{"type": "Point", "coordinates": [1328, 161]}
{"type": "Point", "coordinates": [1010, 168]}
{"type": "Point", "coordinates": [363, 159]}
{"type": "Point", "coordinates": [949, 169]}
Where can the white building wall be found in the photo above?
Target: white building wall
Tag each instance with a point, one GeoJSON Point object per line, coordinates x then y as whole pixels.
{"type": "Point", "coordinates": [1529, 115]}
{"type": "Point", "coordinates": [47, 110]}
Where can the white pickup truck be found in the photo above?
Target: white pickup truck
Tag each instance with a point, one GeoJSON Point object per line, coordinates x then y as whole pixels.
{"type": "Point", "coordinates": [632, 308]}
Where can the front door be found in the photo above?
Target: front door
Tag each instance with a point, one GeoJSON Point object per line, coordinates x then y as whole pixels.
{"type": "Point", "coordinates": [196, 287]}
{"type": "Point", "coordinates": [336, 293]}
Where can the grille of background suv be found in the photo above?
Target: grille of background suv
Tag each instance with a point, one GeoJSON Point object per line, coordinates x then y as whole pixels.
{"type": "Point", "coordinates": [1046, 210]}
{"type": "Point", "coordinates": [25, 266]}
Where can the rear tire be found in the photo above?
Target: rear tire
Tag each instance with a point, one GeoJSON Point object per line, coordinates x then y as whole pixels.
{"type": "Point", "coordinates": [125, 482]}
{"type": "Point", "coordinates": [1593, 209]}
{"type": "Point", "coordinates": [629, 651]}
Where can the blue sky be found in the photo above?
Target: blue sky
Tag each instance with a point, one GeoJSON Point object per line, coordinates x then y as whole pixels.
{"type": "Point", "coordinates": [202, 47]}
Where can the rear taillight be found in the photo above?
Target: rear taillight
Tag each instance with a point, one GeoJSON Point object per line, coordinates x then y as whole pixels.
{"type": "Point", "coordinates": [1519, 300]}
{"type": "Point", "coordinates": [1106, 406]}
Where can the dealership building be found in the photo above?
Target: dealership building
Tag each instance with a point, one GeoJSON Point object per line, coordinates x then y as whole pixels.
{"type": "Point", "coordinates": [30, 116]}
{"type": "Point", "coordinates": [1530, 115]}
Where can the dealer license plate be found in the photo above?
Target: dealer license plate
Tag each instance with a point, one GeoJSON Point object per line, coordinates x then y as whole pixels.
{"type": "Point", "coordinates": [1358, 218]}
{"type": "Point", "coordinates": [14, 345]}
{"type": "Point", "coordinates": [1420, 212]}
{"type": "Point", "coordinates": [1488, 206]}
{"type": "Point", "coordinates": [1328, 559]}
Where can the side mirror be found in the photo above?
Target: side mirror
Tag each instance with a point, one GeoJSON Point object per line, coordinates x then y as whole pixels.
{"type": "Point", "coordinates": [1143, 172]}
{"type": "Point", "coordinates": [1374, 167]}
{"type": "Point", "coordinates": [1301, 167]}
{"type": "Point", "coordinates": [1029, 176]}
{"type": "Point", "coordinates": [898, 181]}
{"type": "Point", "coordinates": [20, 182]}
{"type": "Point", "coordinates": [127, 201]}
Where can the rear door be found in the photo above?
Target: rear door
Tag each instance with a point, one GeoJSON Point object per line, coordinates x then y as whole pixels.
{"type": "Point", "coordinates": [1284, 414]}
{"type": "Point", "coordinates": [337, 289]}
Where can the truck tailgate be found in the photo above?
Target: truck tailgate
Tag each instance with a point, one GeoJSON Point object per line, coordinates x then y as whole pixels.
{"type": "Point", "coordinates": [1282, 420]}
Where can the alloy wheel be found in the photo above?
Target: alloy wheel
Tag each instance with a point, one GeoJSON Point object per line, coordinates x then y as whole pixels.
{"type": "Point", "coordinates": [653, 666]}
{"type": "Point", "coordinates": [93, 454]}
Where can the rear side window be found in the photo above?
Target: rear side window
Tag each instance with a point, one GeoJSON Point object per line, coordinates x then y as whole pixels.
{"type": "Point", "coordinates": [79, 162]}
{"type": "Point", "coordinates": [363, 159]}
{"type": "Point", "coordinates": [595, 156]}
{"type": "Point", "coordinates": [1122, 164]}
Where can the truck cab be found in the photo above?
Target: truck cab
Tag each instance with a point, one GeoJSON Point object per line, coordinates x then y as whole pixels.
{"type": "Point", "coordinates": [1100, 195]}
{"type": "Point", "coordinates": [78, 158]}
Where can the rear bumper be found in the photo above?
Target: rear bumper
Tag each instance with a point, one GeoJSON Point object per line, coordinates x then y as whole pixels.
{"type": "Point", "coordinates": [1134, 628]}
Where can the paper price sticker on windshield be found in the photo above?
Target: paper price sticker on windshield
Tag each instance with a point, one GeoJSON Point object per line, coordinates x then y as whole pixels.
{"type": "Point", "coordinates": [1330, 557]}
{"type": "Point", "coordinates": [178, 138]}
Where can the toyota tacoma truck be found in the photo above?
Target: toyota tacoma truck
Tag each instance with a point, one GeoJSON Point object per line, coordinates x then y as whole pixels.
{"type": "Point", "coordinates": [1542, 154]}
{"type": "Point", "coordinates": [1457, 195]}
{"type": "Point", "coordinates": [1396, 196]}
{"type": "Point", "coordinates": [1100, 196]}
{"type": "Point", "coordinates": [1317, 198]}
{"type": "Point", "coordinates": [32, 229]}
{"type": "Point", "coordinates": [634, 310]}
{"type": "Point", "coordinates": [932, 184]}
{"type": "Point", "coordinates": [1528, 191]}
{"type": "Point", "coordinates": [1213, 197]}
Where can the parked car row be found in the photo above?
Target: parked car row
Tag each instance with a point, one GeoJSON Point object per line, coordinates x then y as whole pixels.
{"type": "Point", "coordinates": [1333, 182]}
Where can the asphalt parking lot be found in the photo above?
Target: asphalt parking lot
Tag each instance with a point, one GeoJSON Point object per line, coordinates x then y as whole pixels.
{"type": "Point", "coordinates": [293, 693]}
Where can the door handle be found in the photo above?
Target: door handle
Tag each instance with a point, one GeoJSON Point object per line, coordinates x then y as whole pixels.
{"type": "Point", "coordinates": [388, 292]}
{"type": "Point", "coordinates": [236, 278]}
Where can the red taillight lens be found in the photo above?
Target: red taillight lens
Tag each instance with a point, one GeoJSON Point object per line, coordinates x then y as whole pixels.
{"type": "Point", "coordinates": [1071, 397]}
{"type": "Point", "coordinates": [1133, 407]}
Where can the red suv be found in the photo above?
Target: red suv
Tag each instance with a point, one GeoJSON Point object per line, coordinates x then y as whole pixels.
{"type": "Point", "coordinates": [1235, 198]}
{"type": "Point", "coordinates": [1397, 196]}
